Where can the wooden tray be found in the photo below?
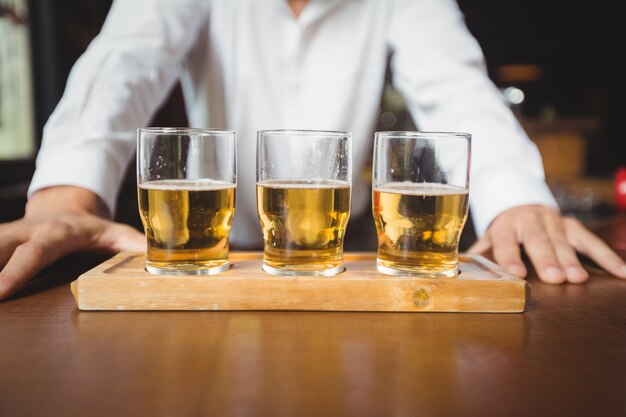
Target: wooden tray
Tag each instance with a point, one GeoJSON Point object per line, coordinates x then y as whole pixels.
{"type": "Point", "coordinates": [121, 283]}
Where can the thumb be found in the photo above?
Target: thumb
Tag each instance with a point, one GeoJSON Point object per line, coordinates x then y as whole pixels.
{"type": "Point", "coordinates": [482, 245]}
{"type": "Point", "coordinates": [121, 237]}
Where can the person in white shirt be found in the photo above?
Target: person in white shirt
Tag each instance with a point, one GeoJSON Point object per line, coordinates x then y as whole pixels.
{"type": "Point", "coordinates": [249, 65]}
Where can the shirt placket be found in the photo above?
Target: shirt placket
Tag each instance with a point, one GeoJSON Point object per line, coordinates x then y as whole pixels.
{"type": "Point", "coordinates": [292, 74]}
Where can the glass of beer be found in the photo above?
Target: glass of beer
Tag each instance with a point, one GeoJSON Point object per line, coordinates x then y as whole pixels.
{"type": "Point", "coordinates": [420, 201]}
{"type": "Point", "coordinates": [303, 200]}
{"type": "Point", "coordinates": [186, 182]}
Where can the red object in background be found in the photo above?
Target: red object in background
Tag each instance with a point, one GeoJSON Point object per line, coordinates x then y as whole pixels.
{"type": "Point", "coordinates": [620, 188]}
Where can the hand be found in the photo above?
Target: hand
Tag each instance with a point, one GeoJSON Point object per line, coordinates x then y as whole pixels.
{"type": "Point", "coordinates": [58, 222]}
{"type": "Point", "coordinates": [550, 241]}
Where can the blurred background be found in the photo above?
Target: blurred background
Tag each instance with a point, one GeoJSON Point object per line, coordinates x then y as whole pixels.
{"type": "Point", "coordinates": [560, 65]}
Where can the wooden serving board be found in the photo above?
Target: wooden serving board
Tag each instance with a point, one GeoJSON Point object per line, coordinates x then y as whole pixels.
{"type": "Point", "coordinates": [121, 283]}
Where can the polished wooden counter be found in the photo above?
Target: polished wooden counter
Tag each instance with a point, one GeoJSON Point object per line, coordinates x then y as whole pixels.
{"type": "Point", "coordinates": [566, 356]}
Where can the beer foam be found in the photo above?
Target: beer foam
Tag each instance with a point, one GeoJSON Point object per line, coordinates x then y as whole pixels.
{"type": "Point", "coordinates": [180, 185]}
{"type": "Point", "coordinates": [307, 184]}
{"type": "Point", "coordinates": [420, 188]}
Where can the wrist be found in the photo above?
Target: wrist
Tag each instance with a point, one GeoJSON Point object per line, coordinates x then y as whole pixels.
{"type": "Point", "coordinates": [65, 199]}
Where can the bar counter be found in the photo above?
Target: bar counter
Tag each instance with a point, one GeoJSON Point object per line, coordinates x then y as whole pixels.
{"type": "Point", "coordinates": [566, 355]}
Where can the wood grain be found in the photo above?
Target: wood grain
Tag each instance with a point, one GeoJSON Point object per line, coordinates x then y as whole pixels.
{"type": "Point", "coordinates": [565, 356]}
{"type": "Point", "coordinates": [122, 283]}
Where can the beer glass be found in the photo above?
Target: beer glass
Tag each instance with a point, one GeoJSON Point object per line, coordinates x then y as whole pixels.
{"type": "Point", "coordinates": [186, 182]}
{"type": "Point", "coordinates": [303, 200]}
{"type": "Point", "coordinates": [420, 201]}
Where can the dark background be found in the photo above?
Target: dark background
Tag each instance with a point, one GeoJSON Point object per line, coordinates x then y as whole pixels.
{"type": "Point", "coordinates": [580, 46]}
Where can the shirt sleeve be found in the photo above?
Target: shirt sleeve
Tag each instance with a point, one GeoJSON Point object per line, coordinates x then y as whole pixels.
{"type": "Point", "coordinates": [439, 68]}
{"type": "Point", "coordinates": [113, 89]}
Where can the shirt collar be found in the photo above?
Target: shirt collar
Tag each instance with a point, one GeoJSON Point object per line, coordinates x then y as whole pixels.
{"type": "Point", "coordinates": [313, 11]}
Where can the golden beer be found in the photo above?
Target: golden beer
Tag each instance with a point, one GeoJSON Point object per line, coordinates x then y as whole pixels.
{"type": "Point", "coordinates": [303, 225]}
{"type": "Point", "coordinates": [419, 226]}
{"type": "Point", "coordinates": [187, 224]}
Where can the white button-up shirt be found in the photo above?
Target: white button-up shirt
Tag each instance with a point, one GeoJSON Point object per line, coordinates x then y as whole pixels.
{"type": "Point", "coordinates": [250, 64]}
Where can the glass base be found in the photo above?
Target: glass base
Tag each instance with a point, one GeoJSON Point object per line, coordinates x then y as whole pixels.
{"type": "Point", "coordinates": [295, 271]}
{"type": "Point", "coordinates": [411, 270]}
{"type": "Point", "coordinates": [187, 269]}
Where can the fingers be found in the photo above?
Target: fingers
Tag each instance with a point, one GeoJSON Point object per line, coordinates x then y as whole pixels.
{"type": "Point", "coordinates": [589, 244]}
{"type": "Point", "coordinates": [551, 243]}
{"type": "Point", "coordinates": [481, 246]}
{"type": "Point", "coordinates": [120, 237]}
{"type": "Point", "coordinates": [542, 233]}
{"type": "Point", "coordinates": [7, 247]}
{"type": "Point", "coordinates": [48, 243]}
{"type": "Point", "coordinates": [28, 247]}
{"type": "Point", "coordinates": [565, 252]}
{"type": "Point", "coordinates": [541, 251]}
{"type": "Point", "coordinates": [10, 238]}
{"type": "Point", "coordinates": [507, 251]}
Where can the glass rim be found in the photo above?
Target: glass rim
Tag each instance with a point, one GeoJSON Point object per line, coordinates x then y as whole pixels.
{"type": "Point", "coordinates": [185, 130]}
{"type": "Point", "coordinates": [423, 134]}
{"type": "Point", "coordinates": [304, 132]}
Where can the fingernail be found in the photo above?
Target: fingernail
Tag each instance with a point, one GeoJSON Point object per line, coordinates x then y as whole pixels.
{"type": "Point", "coordinates": [622, 271]}
{"type": "Point", "coordinates": [517, 270]}
{"type": "Point", "coordinates": [576, 274]}
{"type": "Point", "coordinates": [553, 273]}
